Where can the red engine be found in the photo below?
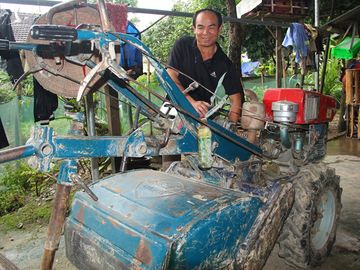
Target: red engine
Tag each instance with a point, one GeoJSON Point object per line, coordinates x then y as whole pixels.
{"type": "Point", "coordinates": [313, 107]}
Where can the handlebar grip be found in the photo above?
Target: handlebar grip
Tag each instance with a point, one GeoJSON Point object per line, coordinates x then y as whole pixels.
{"type": "Point", "coordinates": [53, 32]}
{"type": "Point", "coordinates": [4, 45]}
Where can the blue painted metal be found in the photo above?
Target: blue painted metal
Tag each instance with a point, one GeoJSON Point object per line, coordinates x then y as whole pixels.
{"type": "Point", "coordinates": [148, 219]}
{"type": "Point", "coordinates": [156, 220]}
{"type": "Point", "coordinates": [45, 149]}
{"type": "Point", "coordinates": [229, 150]}
{"type": "Point", "coordinates": [284, 136]}
{"type": "Point", "coordinates": [178, 98]}
{"type": "Point", "coordinates": [299, 144]}
{"type": "Point", "coordinates": [22, 46]}
{"type": "Point", "coordinates": [67, 167]}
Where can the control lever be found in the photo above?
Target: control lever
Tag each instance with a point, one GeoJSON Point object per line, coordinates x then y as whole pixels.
{"type": "Point", "coordinates": [218, 106]}
{"type": "Point", "coordinates": [192, 86]}
{"type": "Point", "coordinates": [77, 181]}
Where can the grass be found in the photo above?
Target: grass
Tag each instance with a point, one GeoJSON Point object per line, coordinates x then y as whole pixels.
{"type": "Point", "coordinates": [32, 213]}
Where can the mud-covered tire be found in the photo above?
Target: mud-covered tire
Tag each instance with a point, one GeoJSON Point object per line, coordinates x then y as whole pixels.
{"type": "Point", "coordinates": [310, 230]}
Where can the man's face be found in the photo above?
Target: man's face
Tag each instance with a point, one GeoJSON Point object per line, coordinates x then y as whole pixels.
{"type": "Point", "coordinates": [206, 29]}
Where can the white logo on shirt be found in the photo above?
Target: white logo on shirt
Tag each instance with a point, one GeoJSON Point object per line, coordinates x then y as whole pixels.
{"type": "Point", "coordinates": [213, 74]}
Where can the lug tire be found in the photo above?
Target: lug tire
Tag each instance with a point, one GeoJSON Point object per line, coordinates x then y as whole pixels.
{"type": "Point", "coordinates": [310, 230]}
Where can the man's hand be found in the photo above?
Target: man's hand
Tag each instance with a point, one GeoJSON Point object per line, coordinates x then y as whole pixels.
{"type": "Point", "coordinates": [201, 107]}
{"type": "Point", "coordinates": [234, 114]}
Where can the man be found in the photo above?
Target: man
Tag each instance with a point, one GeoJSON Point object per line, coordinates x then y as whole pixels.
{"type": "Point", "coordinates": [202, 59]}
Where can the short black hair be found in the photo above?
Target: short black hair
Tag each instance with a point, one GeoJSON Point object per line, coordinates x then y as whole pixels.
{"type": "Point", "coordinates": [218, 15]}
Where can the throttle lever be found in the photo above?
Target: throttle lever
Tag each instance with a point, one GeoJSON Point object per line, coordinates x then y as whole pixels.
{"type": "Point", "coordinates": [53, 32]}
{"type": "Point", "coordinates": [77, 181]}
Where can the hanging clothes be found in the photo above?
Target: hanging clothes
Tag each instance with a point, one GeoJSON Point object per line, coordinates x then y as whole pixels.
{"type": "Point", "coordinates": [10, 60]}
{"type": "Point", "coordinates": [130, 57]}
{"type": "Point", "coordinates": [45, 103]}
{"type": "Point", "coordinates": [297, 38]}
{"type": "Point", "coordinates": [303, 41]}
{"type": "Point", "coordinates": [118, 16]}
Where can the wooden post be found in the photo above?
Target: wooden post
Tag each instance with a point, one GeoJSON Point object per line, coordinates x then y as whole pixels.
{"type": "Point", "coordinates": [349, 86]}
{"type": "Point", "coordinates": [352, 122]}
{"type": "Point", "coordinates": [358, 121]}
{"type": "Point", "coordinates": [56, 225]}
{"type": "Point", "coordinates": [342, 123]}
{"type": "Point", "coordinates": [278, 57]}
{"type": "Point", "coordinates": [113, 116]}
{"type": "Point", "coordinates": [357, 86]}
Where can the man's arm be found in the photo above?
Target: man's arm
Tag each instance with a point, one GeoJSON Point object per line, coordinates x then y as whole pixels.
{"type": "Point", "coordinates": [234, 114]}
{"type": "Point", "coordinates": [200, 106]}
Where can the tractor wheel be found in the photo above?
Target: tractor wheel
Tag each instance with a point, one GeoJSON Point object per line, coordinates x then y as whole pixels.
{"type": "Point", "coordinates": [309, 232]}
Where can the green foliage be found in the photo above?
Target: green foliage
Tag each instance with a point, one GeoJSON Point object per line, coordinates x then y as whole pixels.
{"type": "Point", "coordinates": [32, 213]}
{"type": "Point", "coordinates": [258, 43]}
{"type": "Point", "coordinates": [18, 182]}
{"type": "Point", "coordinates": [332, 85]}
{"type": "Point", "coordinates": [27, 86]}
{"type": "Point", "coordinates": [6, 92]}
{"type": "Point", "coordinates": [161, 37]}
{"type": "Point", "coordinates": [11, 199]}
{"type": "Point", "coordinates": [16, 175]}
{"type": "Point", "coordinates": [266, 68]}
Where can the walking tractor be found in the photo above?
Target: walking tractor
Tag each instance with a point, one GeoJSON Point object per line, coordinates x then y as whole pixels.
{"type": "Point", "coordinates": [231, 197]}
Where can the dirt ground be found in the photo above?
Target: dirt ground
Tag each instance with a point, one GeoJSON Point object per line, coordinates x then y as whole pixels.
{"type": "Point", "coordinates": [24, 247]}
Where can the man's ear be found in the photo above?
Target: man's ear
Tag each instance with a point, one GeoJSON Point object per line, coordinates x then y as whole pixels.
{"type": "Point", "coordinates": [193, 28]}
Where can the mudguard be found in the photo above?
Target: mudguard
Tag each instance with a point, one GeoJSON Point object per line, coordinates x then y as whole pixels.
{"type": "Point", "coordinates": [153, 220]}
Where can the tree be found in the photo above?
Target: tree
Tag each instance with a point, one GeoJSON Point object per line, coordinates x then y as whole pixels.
{"type": "Point", "coordinates": [161, 37]}
{"type": "Point", "coordinates": [235, 36]}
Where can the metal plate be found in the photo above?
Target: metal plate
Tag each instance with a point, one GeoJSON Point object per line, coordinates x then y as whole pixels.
{"type": "Point", "coordinates": [57, 84]}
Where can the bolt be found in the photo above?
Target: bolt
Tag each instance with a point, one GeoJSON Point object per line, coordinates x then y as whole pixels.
{"type": "Point", "coordinates": [46, 149]}
{"type": "Point", "coordinates": [141, 149]}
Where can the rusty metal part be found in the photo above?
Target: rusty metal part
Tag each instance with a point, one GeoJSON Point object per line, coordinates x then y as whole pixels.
{"type": "Point", "coordinates": [77, 181]}
{"type": "Point", "coordinates": [166, 138]}
{"type": "Point", "coordinates": [55, 227]}
{"type": "Point", "coordinates": [251, 95]}
{"type": "Point", "coordinates": [105, 22]}
{"type": "Point", "coordinates": [63, 6]}
{"type": "Point", "coordinates": [57, 83]}
{"type": "Point", "coordinates": [16, 153]}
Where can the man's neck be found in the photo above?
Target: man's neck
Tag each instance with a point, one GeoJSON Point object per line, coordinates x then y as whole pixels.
{"type": "Point", "coordinates": [207, 52]}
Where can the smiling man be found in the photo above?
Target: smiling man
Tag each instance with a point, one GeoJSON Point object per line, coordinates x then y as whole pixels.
{"type": "Point", "coordinates": [202, 59]}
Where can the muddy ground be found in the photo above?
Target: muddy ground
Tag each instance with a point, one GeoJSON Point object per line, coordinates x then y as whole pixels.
{"type": "Point", "coordinates": [24, 246]}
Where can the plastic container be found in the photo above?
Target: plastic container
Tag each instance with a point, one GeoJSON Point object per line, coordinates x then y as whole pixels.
{"type": "Point", "coordinates": [343, 50]}
{"type": "Point", "coordinates": [204, 148]}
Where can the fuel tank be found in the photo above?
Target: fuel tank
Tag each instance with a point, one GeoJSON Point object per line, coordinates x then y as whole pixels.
{"type": "Point", "coordinates": [148, 219]}
{"type": "Point", "coordinates": [313, 107]}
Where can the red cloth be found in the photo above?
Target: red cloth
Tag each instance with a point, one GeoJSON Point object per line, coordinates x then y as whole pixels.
{"type": "Point", "coordinates": [118, 16]}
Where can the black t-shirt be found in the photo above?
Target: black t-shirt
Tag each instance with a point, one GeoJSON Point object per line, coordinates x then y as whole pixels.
{"type": "Point", "coordinates": [186, 57]}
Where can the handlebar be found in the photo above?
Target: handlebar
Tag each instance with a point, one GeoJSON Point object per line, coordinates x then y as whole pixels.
{"type": "Point", "coordinates": [53, 32]}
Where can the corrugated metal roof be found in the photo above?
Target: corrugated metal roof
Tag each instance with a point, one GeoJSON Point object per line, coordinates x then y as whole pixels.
{"type": "Point", "coordinates": [21, 23]}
